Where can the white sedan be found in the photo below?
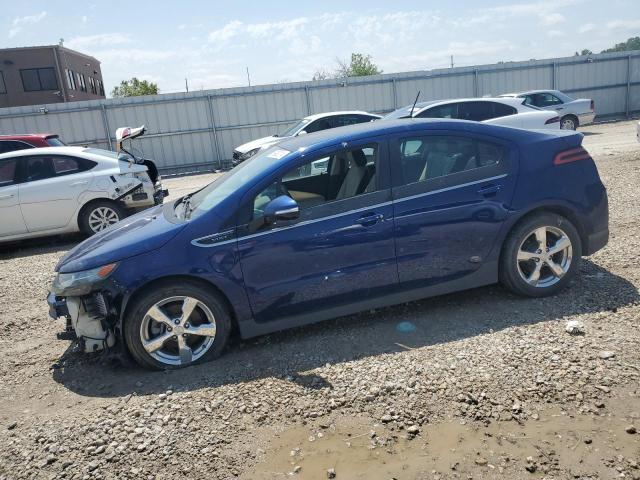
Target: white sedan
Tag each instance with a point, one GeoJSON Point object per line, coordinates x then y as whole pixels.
{"type": "Point", "coordinates": [310, 124]}
{"type": "Point", "coordinates": [509, 112]}
{"type": "Point", "coordinates": [55, 190]}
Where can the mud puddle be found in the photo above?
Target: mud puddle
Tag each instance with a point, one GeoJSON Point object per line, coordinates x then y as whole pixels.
{"type": "Point", "coordinates": [556, 445]}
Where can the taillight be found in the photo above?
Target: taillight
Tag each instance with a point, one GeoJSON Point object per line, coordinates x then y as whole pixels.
{"type": "Point", "coordinates": [572, 155]}
{"type": "Point", "coordinates": [593, 106]}
{"type": "Point", "coordinates": [552, 120]}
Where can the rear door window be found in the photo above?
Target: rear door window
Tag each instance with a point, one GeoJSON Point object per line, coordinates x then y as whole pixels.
{"type": "Point", "coordinates": [545, 99]}
{"type": "Point", "coordinates": [12, 146]}
{"type": "Point", "coordinates": [476, 111]}
{"type": "Point", "coordinates": [442, 111]}
{"type": "Point", "coordinates": [448, 158]}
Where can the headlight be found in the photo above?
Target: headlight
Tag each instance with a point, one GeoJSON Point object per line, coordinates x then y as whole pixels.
{"type": "Point", "coordinates": [80, 283]}
{"type": "Point", "coordinates": [249, 154]}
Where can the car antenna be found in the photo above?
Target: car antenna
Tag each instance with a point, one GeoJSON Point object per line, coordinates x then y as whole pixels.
{"type": "Point", "coordinates": [414, 104]}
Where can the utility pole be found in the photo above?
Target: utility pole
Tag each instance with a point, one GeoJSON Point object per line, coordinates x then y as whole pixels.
{"type": "Point", "coordinates": [186, 85]}
{"type": "Point", "coordinates": [248, 78]}
{"type": "Point", "coordinates": [451, 61]}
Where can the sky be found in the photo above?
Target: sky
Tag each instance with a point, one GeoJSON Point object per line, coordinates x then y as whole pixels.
{"type": "Point", "coordinates": [212, 43]}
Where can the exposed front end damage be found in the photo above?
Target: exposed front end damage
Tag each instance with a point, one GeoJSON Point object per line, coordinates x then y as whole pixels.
{"type": "Point", "coordinates": [86, 320]}
{"type": "Point", "coordinates": [89, 303]}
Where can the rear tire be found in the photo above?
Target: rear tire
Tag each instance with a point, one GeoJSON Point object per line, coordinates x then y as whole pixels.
{"type": "Point", "coordinates": [98, 215]}
{"type": "Point", "coordinates": [541, 255]}
{"type": "Point", "coordinates": [569, 122]}
{"type": "Point", "coordinates": [159, 336]}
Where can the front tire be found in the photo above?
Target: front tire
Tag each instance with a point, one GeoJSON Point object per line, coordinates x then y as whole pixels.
{"type": "Point", "coordinates": [177, 325]}
{"type": "Point", "coordinates": [540, 255]}
{"type": "Point", "coordinates": [96, 216]}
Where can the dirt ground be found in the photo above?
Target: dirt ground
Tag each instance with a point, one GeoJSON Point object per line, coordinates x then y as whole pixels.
{"type": "Point", "coordinates": [477, 384]}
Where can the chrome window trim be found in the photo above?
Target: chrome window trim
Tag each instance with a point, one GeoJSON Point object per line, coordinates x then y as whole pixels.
{"type": "Point", "coordinates": [337, 215]}
{"type": "Point", "coordinates": [453, 187]}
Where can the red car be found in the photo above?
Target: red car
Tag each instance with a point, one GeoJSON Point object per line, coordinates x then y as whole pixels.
{"type": "Point", "coordinates": [10, 143]}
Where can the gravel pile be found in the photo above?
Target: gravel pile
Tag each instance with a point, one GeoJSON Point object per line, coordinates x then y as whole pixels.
{"type": "Point", "coordinates": [482, 356]}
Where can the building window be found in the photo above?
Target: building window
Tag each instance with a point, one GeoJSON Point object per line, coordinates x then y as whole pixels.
{"type": "Point", "coordinates": [71, 80]}
{"type": "Point", "coordinates": [81, 82]}
{"type": "Point", "coordinates": [92, 84]}
{"type": "Point", "coordinates": [101, 87]}
{"type": "Point", "coordinates": [3, 86]}
{"type": "Point", "coordinates": [36, 79]}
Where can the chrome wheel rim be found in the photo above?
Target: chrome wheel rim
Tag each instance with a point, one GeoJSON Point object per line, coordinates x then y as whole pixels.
{"type": "Point", "coordinates": [102, 217]}
{"type": "Point", "coordinates": [567, 124]}
{"type": "Point", "coordinates": [544, 256]}
{"type": "Point", "coordinates": [178, 330]}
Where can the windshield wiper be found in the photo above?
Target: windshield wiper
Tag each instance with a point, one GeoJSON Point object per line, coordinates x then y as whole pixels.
{"type": "Point", "coordinates": [186, 206]}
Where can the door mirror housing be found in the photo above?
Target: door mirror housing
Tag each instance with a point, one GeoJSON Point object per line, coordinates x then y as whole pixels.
{"type": "Point", "coordinates": [281, 208]}
{"type": "Point", "coordinates": [301, 132]}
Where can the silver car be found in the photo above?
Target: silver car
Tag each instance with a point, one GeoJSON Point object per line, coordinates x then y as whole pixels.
{"type": "Point", "coordinates": [572, 112]}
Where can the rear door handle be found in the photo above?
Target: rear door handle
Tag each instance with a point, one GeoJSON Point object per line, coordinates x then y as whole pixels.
{"type": "Point", "coordinates": [369, 219]}
{"type": "Point", "coordinates": [489, 190]}
{"type": "Point", "coordinates": [81, 182]}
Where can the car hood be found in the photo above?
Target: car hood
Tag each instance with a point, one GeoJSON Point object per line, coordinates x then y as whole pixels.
{"type": "Point", "coordinates": [261, 142]}
{"type": "Point", "coordinates": [143, 232]}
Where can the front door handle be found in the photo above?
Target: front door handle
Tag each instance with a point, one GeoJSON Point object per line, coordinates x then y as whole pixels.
{"type": "Point", "coordinates": [489, 190]}
{"type": "Point", "coordinates": [369, 219]}
{"type": "Point", "coordinates": [81, 182]}
{"type": "Point", "coordinates": [9, 195]}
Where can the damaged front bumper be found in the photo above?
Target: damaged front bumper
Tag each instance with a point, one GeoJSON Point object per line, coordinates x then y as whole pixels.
{"type": "Point", "coordinates": [87, 320]}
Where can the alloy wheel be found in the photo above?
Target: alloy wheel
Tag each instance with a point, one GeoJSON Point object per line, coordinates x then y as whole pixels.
{"type": "Point", "coordinates": [544, 256]}
{"type": "Point", "coordinates": [178, 330]}
{"type": "Point", "coordinates": [568, 124]}
{"type": "Point", "coordinates": [102, 217]}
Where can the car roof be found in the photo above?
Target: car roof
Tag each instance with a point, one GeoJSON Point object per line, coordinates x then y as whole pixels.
{"type": "Point", "coordinates": [316, 116]}
{"type": "Point", "coordinates": [361, 131]}
{"type": "Point", "coordinates": [529, 92]}
{"type": "Point", "coordinates": [22, 136]}
{"type": "Point", "coordinates": [44, 151]}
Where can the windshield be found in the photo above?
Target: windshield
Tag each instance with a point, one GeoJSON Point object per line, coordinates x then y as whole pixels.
{"type": "Point", "coordinates": [403, 112]}
{"type": "Point", "coordinates": [291, 131]}
{"type": "Point", "coordinates": [248, 171]}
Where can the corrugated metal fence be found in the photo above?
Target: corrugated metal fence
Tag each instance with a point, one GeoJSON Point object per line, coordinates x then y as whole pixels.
{"type": "Point", "coordinates": [197, 131]}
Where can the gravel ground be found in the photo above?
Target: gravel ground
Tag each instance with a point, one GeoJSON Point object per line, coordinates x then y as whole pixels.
{"type": "Point", "coordinates": [487, 385]}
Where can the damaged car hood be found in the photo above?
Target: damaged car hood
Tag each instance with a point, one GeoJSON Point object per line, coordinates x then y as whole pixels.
{"type": "Point", "coordinates": [132, 236]}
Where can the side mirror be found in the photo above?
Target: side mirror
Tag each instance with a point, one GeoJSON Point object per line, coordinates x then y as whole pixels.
{"type": "Point", "coordinates": [281, 208]}
{"type": "Point", "coordinates": [301, 132]}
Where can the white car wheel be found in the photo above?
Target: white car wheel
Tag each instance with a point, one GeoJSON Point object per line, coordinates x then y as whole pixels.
{"type": "Point", "coordinates": [100, 215]}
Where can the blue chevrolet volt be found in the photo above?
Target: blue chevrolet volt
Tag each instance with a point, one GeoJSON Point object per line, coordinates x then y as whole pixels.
{"type": "Point", "coordinates": [333, 223]}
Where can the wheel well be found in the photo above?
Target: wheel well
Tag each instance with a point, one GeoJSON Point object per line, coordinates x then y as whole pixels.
{"type": "Point", "coordinates": [565, 212]}
{"type": "Point", "coordinates": [173, 279]}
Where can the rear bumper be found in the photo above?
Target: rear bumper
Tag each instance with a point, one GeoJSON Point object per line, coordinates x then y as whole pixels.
{"type": "Point", "coordinates": [596, 241]}
{"type": "Point", "coordinates": [586, 118]}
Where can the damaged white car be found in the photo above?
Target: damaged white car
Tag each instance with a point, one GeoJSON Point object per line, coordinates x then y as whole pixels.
{"type": "Point", "coordinates": [54, 190]}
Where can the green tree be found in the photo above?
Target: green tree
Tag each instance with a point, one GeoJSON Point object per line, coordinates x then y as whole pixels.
{"type": "Point", "coordinates": [134, 88]}
{"type": "Point", "coordinates": [632, 44]}
{"type": "Point", "coordinates": [361, 65]}
{"type": "Point", "coordinates": [585, 51]}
